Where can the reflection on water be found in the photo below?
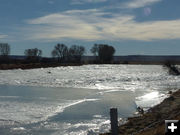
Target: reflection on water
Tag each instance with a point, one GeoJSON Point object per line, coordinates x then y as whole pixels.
{"type": "Point", "coordinates": [150, 99]}
{"type": "Point", "coordinates": [150, 96]}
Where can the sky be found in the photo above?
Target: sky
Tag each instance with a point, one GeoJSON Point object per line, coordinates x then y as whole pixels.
{"type": "Point", "coordinates": [133, 27]}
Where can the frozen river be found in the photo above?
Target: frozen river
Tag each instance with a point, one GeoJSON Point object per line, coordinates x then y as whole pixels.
{"type": "Point", "coordinates": [76, 100]}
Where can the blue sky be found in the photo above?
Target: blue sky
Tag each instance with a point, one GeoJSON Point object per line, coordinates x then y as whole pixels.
{"type": "Point", "coordinates": [133, 27]}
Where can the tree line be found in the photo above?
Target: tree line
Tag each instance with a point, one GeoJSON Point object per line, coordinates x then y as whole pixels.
{"type": "Point", "coordinates": [62, 53]}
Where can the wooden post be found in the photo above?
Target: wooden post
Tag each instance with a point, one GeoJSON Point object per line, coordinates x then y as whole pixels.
{"type": "Point", "coordinates": [114, 121]}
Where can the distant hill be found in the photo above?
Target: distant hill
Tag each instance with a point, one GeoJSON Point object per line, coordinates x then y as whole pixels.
{"type": "Point", "coordinates": [144, 59]}
{"type": "Point", "coordinates": [157, 59]}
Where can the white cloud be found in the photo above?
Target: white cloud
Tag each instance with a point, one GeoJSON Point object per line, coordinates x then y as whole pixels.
{"type": "Point", "coordinates": [93, 25]}
{"type": "Point", "coordinates": [86, 1]}
{"type": "Point", "coordinates": [3, 36]}
{"type": "Point", "coordinates": [138, 3]}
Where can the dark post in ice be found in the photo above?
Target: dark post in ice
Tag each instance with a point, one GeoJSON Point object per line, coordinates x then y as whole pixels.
{"type": "Point", "coordinates": [114, 121]}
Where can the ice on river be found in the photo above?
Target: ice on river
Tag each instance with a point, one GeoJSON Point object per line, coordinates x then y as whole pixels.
{"type": "Point", "coordinates": [76, 99]}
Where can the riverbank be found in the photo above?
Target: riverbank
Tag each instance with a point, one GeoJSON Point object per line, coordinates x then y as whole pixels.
{"type": "Point", "coordinates": [35, 65]}
{"type": "Point", "coordinates": [49, 65]}
{"type": "Point", "coordinates": [153, 122]}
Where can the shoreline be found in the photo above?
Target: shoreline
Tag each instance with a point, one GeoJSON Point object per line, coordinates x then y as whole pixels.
{"type": "Point", "coordinates": [49, 65]}
{"type": "Point", "coordinates": [35, 65]}
{"type": "Point", "coordinates": [153, 122]}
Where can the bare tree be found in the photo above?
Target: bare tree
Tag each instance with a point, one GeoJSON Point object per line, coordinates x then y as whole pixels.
{"type": "Point", "coordinates": [33, 52]}
{"type": "Point", "coordinates": [94, 50]}
{"type": "Point", "coordinates": [54, 53]}
{"type": "Point", "coordinates": [76, 52]}
{"type": "Point", "coordinates": [105, 52]}
{"type": "Point", "coordinates": [4, 49]}
{"type": "Point", "coordinates": [60, 51]}
{"type": "Point", "coordinates": [33, 55]}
